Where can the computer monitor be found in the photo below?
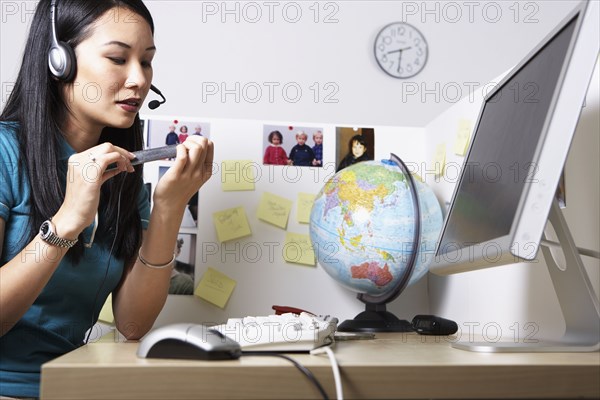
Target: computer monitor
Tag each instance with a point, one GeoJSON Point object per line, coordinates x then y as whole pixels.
{"type": "Point", "coordinates": [506, 191]}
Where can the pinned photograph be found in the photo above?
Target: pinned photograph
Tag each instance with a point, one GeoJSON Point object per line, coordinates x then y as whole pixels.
{"type": "Point", "coordinates": [174, 131]}
{"type": "Point", "coordinates": [353, 146]}
{"type": "Point", "coordinates": [293, 145]}
{"type": "Point", "coordinates": [182, 275]}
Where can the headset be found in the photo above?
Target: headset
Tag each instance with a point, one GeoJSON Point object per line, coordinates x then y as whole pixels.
{"type": "Point", "coordinates": [63, 64]}
{"type": "Point", "coordinates": [61, 57]}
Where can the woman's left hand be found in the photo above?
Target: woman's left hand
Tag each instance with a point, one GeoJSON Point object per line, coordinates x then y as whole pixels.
{"type": "Point", "coordinates": [192, 168]}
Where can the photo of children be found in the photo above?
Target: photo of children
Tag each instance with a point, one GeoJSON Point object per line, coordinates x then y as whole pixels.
{"type": "Point", "coordinates": [354, 145]}
{"type": "Point", "coordinates": [173, 131]}
{"type": "Point", "coordinates": [293, 145]}
{"type": "Point", "coordinates": [182, 274]}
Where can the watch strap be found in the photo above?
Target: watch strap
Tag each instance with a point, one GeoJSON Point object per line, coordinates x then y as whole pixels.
{"type": "Point", "coordinates": [48, 235]}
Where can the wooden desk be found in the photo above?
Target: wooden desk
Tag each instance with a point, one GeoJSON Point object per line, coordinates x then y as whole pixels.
{"type": "Point", "coordinates": [392, 366]}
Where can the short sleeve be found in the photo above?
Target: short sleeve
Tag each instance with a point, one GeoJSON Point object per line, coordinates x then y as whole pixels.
{"type": "Point", "coordinates": [144, 206]}
{"type": "Point", "coordinates": [9, 178]}
{"type": "Point", "coordinates": [5, 190]}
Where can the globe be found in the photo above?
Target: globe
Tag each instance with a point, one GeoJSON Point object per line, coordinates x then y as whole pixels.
{"type": "Point", "coordinates": [364, 231]}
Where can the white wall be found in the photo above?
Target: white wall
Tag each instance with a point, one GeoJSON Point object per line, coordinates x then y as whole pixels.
{"type": "Point", "coordinates": [202, 46]}
{"type": "Point", "coordinates": [509, 297]}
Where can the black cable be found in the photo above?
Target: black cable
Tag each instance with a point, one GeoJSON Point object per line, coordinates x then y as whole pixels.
{"type": "Point", "coordinates": [300, 367]}
{"type": "Point", "coordinates": [112, 246]}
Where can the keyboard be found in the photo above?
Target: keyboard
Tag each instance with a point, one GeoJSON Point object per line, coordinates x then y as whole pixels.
{"type": "Point", "coordinates": [287, 332]}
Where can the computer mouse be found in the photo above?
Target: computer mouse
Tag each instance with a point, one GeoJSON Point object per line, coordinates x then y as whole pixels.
{"type": "Point", "coordinates": [188, 341]}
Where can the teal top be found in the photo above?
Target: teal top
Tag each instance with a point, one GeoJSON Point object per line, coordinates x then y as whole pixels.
{"type": "Point", "coordinates": [67, 306]}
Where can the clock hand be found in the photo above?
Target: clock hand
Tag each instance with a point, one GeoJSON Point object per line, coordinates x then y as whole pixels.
{"type": "Point", "coordinates": [399, 50]}
{"type": "Point", "coordinates": [399, 60]}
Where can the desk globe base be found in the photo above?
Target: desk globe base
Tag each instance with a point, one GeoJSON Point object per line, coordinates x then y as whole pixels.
{"type": "Point", "coordinates": [375, 318]}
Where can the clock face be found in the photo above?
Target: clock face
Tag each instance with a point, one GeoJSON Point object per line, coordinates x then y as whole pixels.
{"type": "Point", "coordinates": [401, 50]}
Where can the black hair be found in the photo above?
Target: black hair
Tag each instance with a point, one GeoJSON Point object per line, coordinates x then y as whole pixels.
{"type": "Point", "coordinates": [37, 105]}
{"type": "Point", "coordinates": [275, 133]}
{"type": "Point", "coordinates": [357, 138]}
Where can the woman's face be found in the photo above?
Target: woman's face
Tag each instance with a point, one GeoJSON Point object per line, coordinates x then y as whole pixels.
{"type": "Point", "coordinates": [114, 72]}
{"type": "Point", "coordinates": [358, 149]}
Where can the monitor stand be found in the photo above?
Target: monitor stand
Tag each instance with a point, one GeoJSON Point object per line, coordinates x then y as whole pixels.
{"type": "Point", "coordinates": [576, 297]}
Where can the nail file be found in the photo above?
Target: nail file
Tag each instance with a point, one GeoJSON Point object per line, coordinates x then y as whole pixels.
{"type": "Point", "coordinates": [144, 156]}
{"type": "Point", "coordinates": [158, 153]}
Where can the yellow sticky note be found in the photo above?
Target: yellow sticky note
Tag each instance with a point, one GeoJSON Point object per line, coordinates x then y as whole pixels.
{"type": "Point", "coordinates": [305, 203]}
{"type": "Point", "coordinates": [439, 159]}
{"type": "Point", "coordinates": [215, 287]}
{"type": "Point", "coordinates": [274, 210]}
{"type": "Point", "coordinates": [463, 137]}
{"type": "Point", "coordinates": [298, 249]}
{"type": "Point", "coordinates": [237, 175]}
{"type": "Point", "coordinates": [106, 314]}
{"type": "Point", "coordinates": [231, 224]}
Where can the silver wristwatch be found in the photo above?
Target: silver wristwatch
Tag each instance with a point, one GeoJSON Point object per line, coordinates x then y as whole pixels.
{"type": "Point", "coordinates": [48, 235]}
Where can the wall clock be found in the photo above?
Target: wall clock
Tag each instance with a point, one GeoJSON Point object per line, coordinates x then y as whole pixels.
{"type": "Point", "coordinates": [401, 50]}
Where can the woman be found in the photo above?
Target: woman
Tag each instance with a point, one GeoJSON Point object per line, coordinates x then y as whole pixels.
{"type": "Point", "coordinates": [58, 135]}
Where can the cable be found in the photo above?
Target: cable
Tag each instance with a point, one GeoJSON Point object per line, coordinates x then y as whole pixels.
{"type": "Point", "coordinates": [112, 246]}
{"type": "Point", "coordinates": [300, 367]}
{"type": "Point", "coordinates": [334, 367]}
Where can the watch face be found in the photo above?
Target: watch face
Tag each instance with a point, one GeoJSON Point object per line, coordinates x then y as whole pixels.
{"type": "Point", "coordinates": [400, 50]}
{"type": "Point", "coordinates": [45, 229]}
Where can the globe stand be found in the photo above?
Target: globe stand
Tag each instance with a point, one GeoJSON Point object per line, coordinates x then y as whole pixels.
{"type": "Point", "coordinates": [376, 318]}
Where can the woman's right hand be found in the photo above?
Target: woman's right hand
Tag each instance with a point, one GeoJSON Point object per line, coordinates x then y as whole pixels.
{"type": "Point", "coordinates": [86, 175]}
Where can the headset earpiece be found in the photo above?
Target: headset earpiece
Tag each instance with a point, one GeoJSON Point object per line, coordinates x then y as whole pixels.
{"type": "Point", "coordinates": [61, 61]}
{"type": "Point", "coordinates": [61, 57]}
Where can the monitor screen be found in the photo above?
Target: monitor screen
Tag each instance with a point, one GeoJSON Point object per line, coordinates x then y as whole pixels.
{"type": "Point", "coordinates": [520, 142]}
{"type": "Point", "coordinates": [501, 158]}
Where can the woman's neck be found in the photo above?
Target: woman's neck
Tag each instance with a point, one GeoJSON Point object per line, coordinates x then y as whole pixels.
{"type": "Point", "coordinates": [80, 137]}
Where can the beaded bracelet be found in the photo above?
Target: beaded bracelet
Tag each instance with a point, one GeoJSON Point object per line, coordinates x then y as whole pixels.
{"type": "Point", "coordinates": [161, 266]}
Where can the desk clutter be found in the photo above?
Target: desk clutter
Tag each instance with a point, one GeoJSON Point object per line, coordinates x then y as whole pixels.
{"type": "Point", "coordinates": [289, 330]}
{"type": "Point", "coordinates": [282, 333]}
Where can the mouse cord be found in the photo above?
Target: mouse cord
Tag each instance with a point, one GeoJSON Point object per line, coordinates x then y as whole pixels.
{"type": "Point", "coordinates": [334, 367]}
{"type": "Point", "coordinates": [93, 322]}
{"type": "Point", "coordinates": [296, 364]}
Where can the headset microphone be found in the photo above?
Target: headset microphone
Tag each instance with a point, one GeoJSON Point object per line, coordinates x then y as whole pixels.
{"type": "Point", "coordinates": [155, 103]}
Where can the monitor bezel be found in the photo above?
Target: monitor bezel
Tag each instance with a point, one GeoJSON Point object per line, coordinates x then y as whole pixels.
{"type": "Point", "coordinates": [522, 241]}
